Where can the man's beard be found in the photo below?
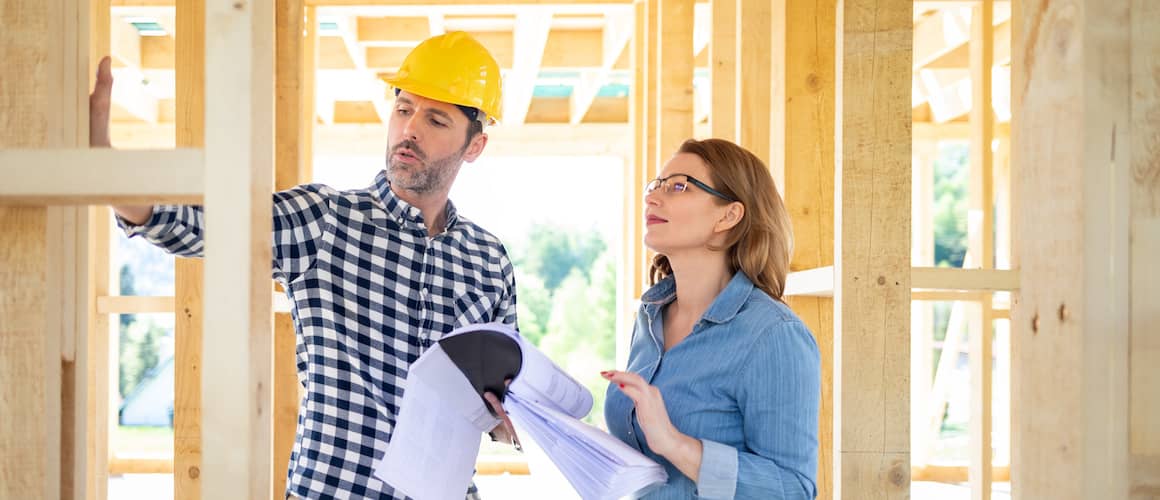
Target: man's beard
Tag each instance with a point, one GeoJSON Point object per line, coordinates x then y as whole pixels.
{"type": "Point", "coordinates": [425, 177]}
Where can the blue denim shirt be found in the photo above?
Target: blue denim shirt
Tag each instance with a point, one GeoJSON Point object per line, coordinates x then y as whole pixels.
{"type": "Point", "coordinates": [746, 382]}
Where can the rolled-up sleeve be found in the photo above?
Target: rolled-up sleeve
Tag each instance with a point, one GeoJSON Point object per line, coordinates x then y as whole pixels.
{"type": "Point", "coordinates": [778, 395]}
{"type": "Point", "coordinates": [717, 477]}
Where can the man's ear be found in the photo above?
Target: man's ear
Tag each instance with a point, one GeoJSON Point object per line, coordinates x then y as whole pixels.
{"type": "Point", "coordinates": [475, 147]}
{"type": "Point", "coordinates": [732, 216]}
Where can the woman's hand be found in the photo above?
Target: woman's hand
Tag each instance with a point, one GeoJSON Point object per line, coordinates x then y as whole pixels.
{"type": "Point", "coordinates": [660, 434]}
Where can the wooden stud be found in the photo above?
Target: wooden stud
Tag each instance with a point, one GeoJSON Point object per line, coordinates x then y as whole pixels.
{"type": "Point", "coordinates": [980, 226]}
{"type": "Point", "coordinates": [921, 312]}
{"type": "Point", "coordinates": [634, 182]}
{"type": "Point", "coordinates": [675, 76]}
{"type": "Point", "coordinates": [872, 249]}
{"type": "Point", "coordinates": [803, 44]}
{"type": "Point", "coordinates": [296, 34]}
{"type": "Point", "coordinates": [1145, 245]}
{"type": "Point", "coordinates": [237, 342]}
{"type": "Point", "coordinates": [97, 410]}
{"type": "Point", "coordinates": [188, 281]}
{"type": "Point", "coordinates": [1071, 173]}
{"type": "Point", "coordinates": [723, 69]}
{"type": "Point", "coordinates": [754, 18]}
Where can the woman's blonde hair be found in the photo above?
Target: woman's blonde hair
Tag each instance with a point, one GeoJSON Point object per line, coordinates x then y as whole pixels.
{"type": "Point", "coordinates": [761, 244]}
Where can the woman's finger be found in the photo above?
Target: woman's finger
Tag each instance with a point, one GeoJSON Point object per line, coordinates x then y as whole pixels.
{"type": "Point", "coordinates": [626, 378]}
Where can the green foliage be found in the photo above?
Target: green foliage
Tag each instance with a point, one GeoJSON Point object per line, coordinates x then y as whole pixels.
{"type": "Point", "coordinates": [567, 304]}
{"type": "Point", "coordinates": [139, 352]}
{"type": "Point", "coordinates": [950, 205]}
{"type": "Point", "coordinates": [534, 305]}
{"type": "Point", "coordinates": [552, 253]}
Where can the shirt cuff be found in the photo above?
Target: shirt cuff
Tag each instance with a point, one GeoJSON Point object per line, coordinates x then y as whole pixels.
{"type": "Point", "coordinates": [132, 229]}
{"type": "Point", "coordinates": [717, 477]}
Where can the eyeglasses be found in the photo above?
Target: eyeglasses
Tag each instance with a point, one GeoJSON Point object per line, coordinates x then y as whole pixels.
{"type": "Point", "coordinates": [679, 183]}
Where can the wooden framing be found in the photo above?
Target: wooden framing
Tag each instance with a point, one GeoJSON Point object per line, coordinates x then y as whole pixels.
{"type": "Point", "coordinates": [237, 451]}
{"type": "Point", "coordinates": [753, 111]}
{"type": "Point", "coordinates": [82, 176]}
{"type": "Point", "coordinates": [1071, 168]}
{"type": "Point", "coordinates": [293, 165]}
{"type": "Point", "coordinates": [872, 249]}
{"type": "Point", "coordinates": [803, 45]}
{"type": "Point", "coordinates": [980, 227]}
{"type": "Point", "coordinates": [1144, 430]}
{"type": "Point", "coordinates": [189, 285]}
{"type": "Point", "coordinates": [674, 118]}
{"type": "Point", "coordinates": [723, 57]}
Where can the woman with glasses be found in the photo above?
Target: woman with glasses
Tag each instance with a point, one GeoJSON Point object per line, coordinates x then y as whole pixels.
{"type": "Point", "coordinates": [723, 380]}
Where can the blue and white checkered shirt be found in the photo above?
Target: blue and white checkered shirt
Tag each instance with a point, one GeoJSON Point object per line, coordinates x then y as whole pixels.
{"type": "Point", "coordinates": [370, 291]}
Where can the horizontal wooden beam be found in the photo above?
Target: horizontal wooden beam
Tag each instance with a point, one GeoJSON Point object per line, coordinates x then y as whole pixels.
{"type": "Point", "coordinates": [380, 30]}
{"type": "Point", "coordinates": [140, 304]}
{"type": "Point", "coordinates": [948, 278]}
{"type": "Point", "coordinates": [953, 473]}
{"type": "Point", "coordinates": [951, 283]}
{"type": "Point", "coordinates": [140, 465]}
{"type": "Point", "coordinates": [818, 282]}
{"type": "Point", "coordinates": [134, 304]}
{"type": "Point", "coordinates": [101, 176]}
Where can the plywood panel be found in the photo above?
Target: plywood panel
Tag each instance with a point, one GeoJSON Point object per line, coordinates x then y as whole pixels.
{"type": "Point", "coordinates": [872, 251]}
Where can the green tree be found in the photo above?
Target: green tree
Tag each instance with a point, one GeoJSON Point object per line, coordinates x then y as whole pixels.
{"type": "Point", "coordinates": [950, 205]}
{"type": "Point", "coordinates": [533, 304]}
{"type": "Point", "coordinates": [581, 335]}
{"type": "Point", "coordinates": [554, 253]}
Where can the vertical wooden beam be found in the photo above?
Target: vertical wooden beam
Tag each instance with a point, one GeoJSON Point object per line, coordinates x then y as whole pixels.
{"type": "Point", "coordinates": [921, 311]}
{"type": "Point", "coordinates": [1070, 338]}
{"type": "Point", "coordinates": [23, 430]}
{"type": "Point", "coordinates": [1145, 231]}
{"type": "Point", "coordinates": [96, 471]}
{"type": "Point", "coordinates": [754, 18]}
{"type": "Point", "coordinates": [723, 69]}
{"type": "Point", "coordinates": [675, 76]}
{"type": "Point", "coordinates": [635, 178]}
{"type": "Point", "coordinates": [239, 156]}
{"type": "Point", "coordinates": [872, 249]}
{"type": "Point", "coordinates": [803, 42]}
{"type": "Point", "coordinates": [294, 113]}
{"type": "Point", "coordinates": [40, 424]}
{"type": "Point", "coordinates": [652, 86]}
{"type": "Point", "coordinates": [98, 235]}
{"type": "Point", "coordinates": [188, 282]}
{"type": "Point", "coordinates": [980, 224]}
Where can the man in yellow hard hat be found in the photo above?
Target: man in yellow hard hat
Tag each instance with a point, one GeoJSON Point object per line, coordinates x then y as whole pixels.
{"type": "Point", "coordinates": [374, 275]}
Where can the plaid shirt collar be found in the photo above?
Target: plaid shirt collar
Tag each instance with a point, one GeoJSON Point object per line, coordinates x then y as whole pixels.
{"type": "Point", "coordinates": [406, 215]}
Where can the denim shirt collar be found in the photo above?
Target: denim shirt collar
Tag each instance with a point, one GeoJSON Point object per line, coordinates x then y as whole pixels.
{"type": "Point", "coordinates": [403, 213]}
{"type": "Point", "coordinates": [723, 308]}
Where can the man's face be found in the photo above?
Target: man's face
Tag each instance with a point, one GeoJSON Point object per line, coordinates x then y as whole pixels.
{"type": "Point", "coordinates": [427, 143]}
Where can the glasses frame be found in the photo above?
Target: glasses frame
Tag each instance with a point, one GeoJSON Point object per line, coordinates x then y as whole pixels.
{"type": "Point", "coordinates": [662, 181]}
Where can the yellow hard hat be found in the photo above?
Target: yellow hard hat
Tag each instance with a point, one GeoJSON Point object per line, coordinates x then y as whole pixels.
{"type": "Point", "coordinates": [454, 68]}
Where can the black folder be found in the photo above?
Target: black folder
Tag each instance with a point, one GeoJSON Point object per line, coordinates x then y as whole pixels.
{"type": "Point", "coordinates": [487, 357]}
